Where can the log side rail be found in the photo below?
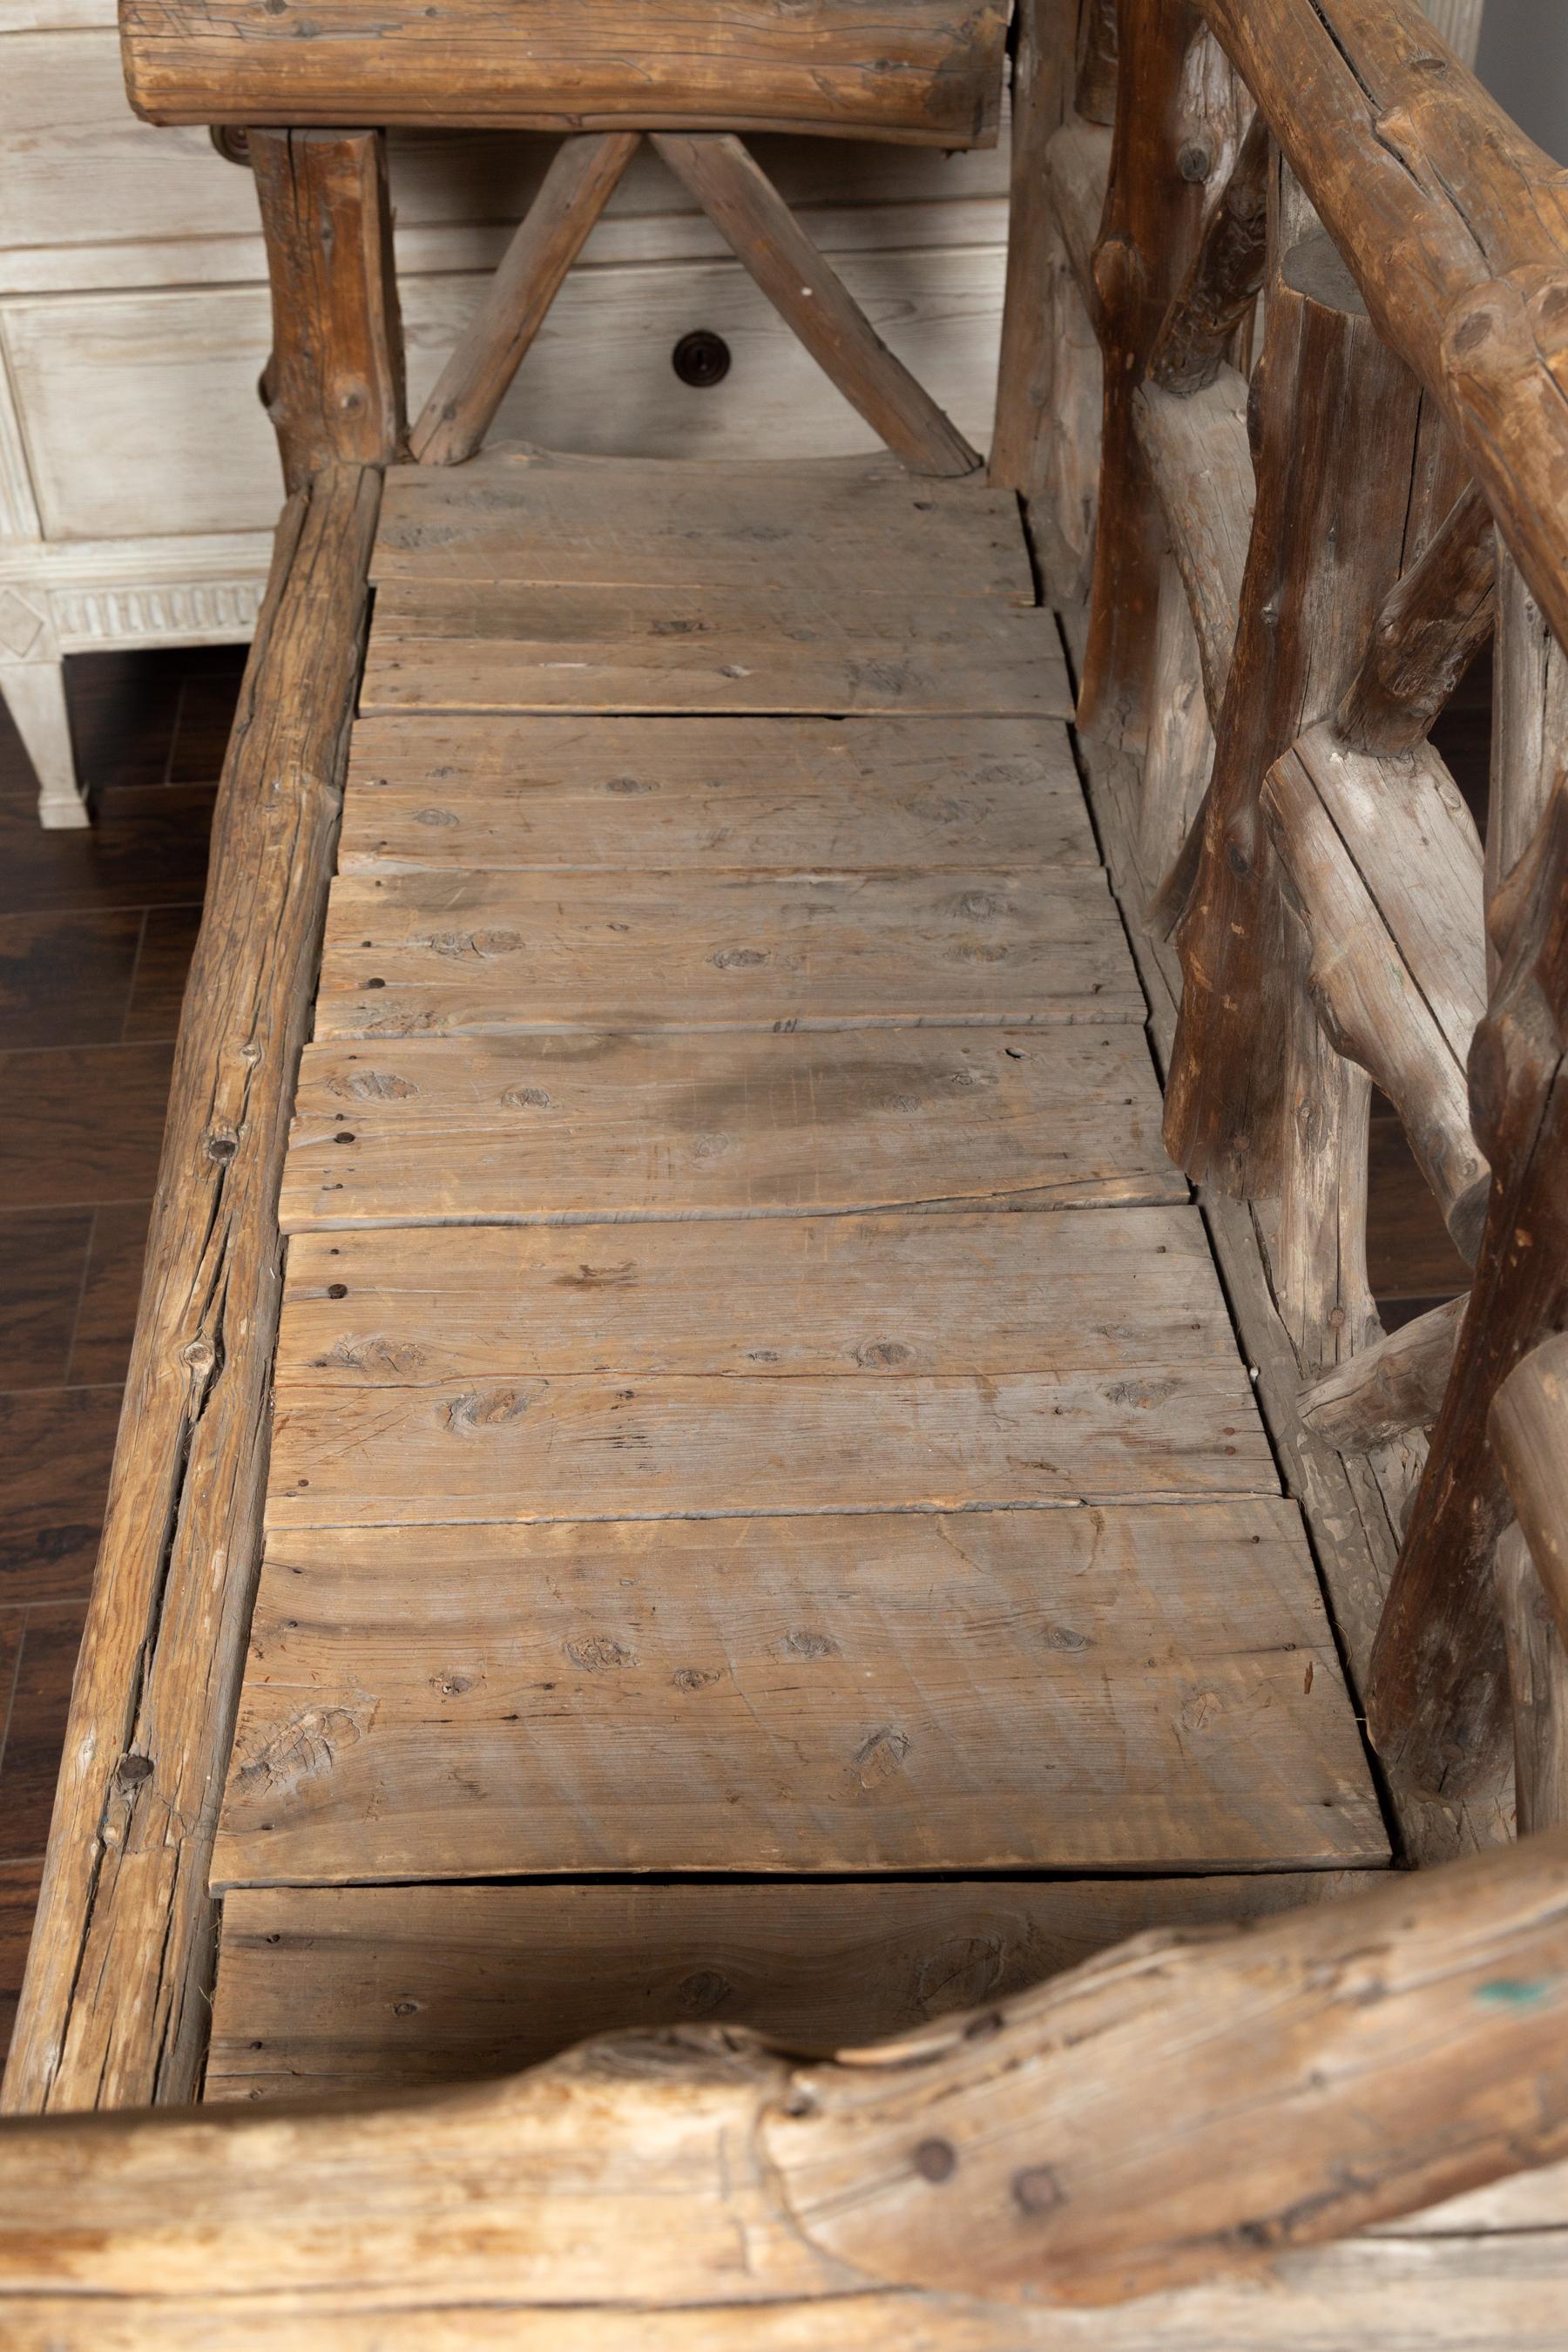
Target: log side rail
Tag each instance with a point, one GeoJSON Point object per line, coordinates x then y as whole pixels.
{"type": "Point", "coordinates": [114, 2009]}
{"type": "Point", "coordinates": [1312, 2076]}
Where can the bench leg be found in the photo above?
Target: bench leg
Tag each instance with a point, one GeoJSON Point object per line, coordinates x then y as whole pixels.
{"type": "Point", "coordinates": [35, 694]}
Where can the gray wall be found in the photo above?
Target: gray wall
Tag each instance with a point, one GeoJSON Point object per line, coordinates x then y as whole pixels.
{"type": "Point", "coordinates": [1523, 61]}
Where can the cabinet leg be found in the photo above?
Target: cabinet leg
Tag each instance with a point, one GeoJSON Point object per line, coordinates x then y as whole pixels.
{"type": "Point", "coordinates": [35, 694]}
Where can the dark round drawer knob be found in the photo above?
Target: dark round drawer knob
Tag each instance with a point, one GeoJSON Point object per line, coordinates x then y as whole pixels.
{"type": "Point", "coordinates": [701, 358]}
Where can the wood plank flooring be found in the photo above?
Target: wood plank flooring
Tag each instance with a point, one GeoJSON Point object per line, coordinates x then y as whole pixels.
{"type": "Point", "coordinates": [753, 1401]}
{"type": "Point", "coordinates": [410, 1985]}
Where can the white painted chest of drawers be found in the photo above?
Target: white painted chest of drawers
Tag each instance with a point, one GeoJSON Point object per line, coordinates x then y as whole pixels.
{"type": "Point", "coordinates": [139, 479]}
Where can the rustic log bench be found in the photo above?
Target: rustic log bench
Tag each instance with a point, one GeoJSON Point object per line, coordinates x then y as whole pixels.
{"type": "Point", "coordinates": [687, 1464]}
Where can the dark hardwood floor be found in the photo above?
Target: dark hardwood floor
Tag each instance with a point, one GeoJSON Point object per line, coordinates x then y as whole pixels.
{"type": "Point", "coordinates": [96, 932]}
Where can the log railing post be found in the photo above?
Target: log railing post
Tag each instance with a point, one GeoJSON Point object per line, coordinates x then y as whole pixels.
{"type": "Point", "coordinates": [333, 385]}
{"type": "Point", "coordinates": [1153, 210]}
{"type": "Point", "coordinates": [1258, 1099]}
{"type": "Point", "coordinates": [1437, 1700]}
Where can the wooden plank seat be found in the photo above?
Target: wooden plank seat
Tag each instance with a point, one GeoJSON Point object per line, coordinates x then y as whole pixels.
{"type": "Point", "coordinates": [696, 1448]}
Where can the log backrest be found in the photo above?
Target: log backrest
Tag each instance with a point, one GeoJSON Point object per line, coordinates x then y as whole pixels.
{"type": "Point", "coordinates": [602, 74]}
{"type": "Point", "coordinates": [927, 72]}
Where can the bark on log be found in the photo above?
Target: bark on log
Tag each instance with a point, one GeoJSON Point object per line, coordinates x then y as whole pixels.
{"type": "Point", "coordinates": [1030, 362]}
{"type": "Point", "coordinates": [1094, 93]}
{"type": "Point", "coordinates": [1343, 2065]}
{"type": "Point", "coordinates": [1224, 279]}
{"type": "Point", "coordinates": [582, 176]}
{"type": "Point", "coordinates": [751, 217]}
{"type": "Point", "coordinates": [1437, 1702]}
{"type": "Point", "coordinates": [1388, 1389]}
{"type": "Point", "coordinates": [114, 2009]}
{"type": "Point", "coordinates": [1432, 625]}
{"type": "Point", "coordinates": [333, 385]}
{"type": "Point", "coordinates": [1150, 227]}
{"type": "Point", "coordinates": [928, 74]}
{"type": "Point", "coordinates": [1454, 224]}
{"type": "Point", "coordinates": [1384, 865]}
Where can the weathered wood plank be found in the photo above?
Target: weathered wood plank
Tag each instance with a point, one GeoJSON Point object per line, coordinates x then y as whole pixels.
{"type": "Point", "coordinates": [571, 1126]}
{"type": "Point", "coordinates": [931, 76]}
{"type": "Point", "coordinates": [752, 796]}
{"type": "Point", "coordinates": [582, 178]}
{"type": "Point", "coordinates": [856, 1296]}
{"type": "Point", "coordinates": [807, 290]}
{"type": "Point", "coordinates": [324, 1991]}
{"type": "Point", "coordinates": [603, 1445]}
{"type": "Point", "coordinates": [114, 2009]}
{"type": "Point", "coordinates": [521, 648]}
{"type": "Point", "coordinates": [518, 514]}
{"type": "Point", "coordinates": [424, 955]}
{"type": "Point", "coordinates": [1126, 1688]}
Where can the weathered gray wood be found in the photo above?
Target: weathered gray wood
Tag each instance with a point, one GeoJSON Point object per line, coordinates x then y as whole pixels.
{"type": "Point", "coordinates": [114, 2009]}
{"type": "Point", "coordinates": [1530, 737]}
{"type": "Point", "coordinates": [1180, 754]}
{"type": "Point", "coordinates": [510, 1130]}
{"type": "Point", "coordinates": [1383, 1392]}
{"type": "Point", "coordinates": [790, 1695]}
{"type": "Point", "coordinates": [603, 1446]}
{"type": "Point", "coordinates": [803, 286]}
{"type": "Point", "coordinates": [488, 647]}
{"type": "Point", "coordinates": [324, 1991]}
{"type": "Point", "coordinates": [520, 514]}
{"type": "Point", "coordinates": [472, 952]}
{"type": "Point", "coordinates": [854, 1295]}
{"type": "Point", "coordinates": [1433, 623]}
{"type": "Point", "coordinates": [1196, 447]}
{"type": "Point", "coordinates": [580, 182]}
{"type": "Point", "coordinates": [723, 795]}
{"type": "Point", "coordinates": [1078, 161]}
{"type": "Point", "coordinates": [1384, 863]}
